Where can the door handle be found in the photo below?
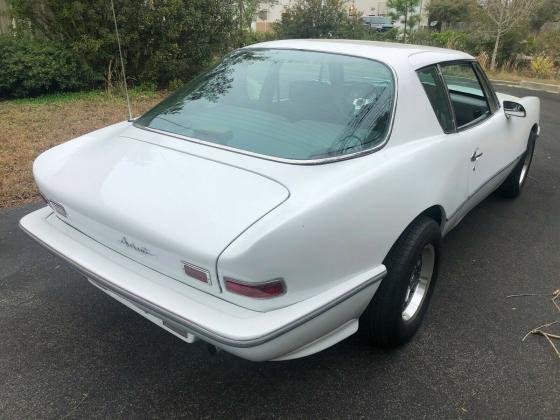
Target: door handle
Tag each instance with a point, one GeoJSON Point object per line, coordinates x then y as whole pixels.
{"type": "Point", "coordinates": [475, 156]}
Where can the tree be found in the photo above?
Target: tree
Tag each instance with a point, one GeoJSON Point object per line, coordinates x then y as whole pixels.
{"type": "Point", "coordinates": [504, 15]}
{"type": "Point", "coordinates": [318, 19]}
{"type": "Point", "coordinates": [246, 11]}
{"type": "Point", "coordinates": [448, 12]}
{"type": "Point", "coordinates": [405, 10]}
{"type": "Point", "coordinates": [545, 11]}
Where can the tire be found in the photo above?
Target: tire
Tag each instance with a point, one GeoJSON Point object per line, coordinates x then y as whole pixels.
{"type": "Point", "coordinates": [514, 183]}
{"type": "Point", "coordinates": [392, 318]}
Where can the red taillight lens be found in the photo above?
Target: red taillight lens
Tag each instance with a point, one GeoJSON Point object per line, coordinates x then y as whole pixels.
{"type": "Point", "coordinates": [270, 289]}
{"type": "Point", "coordinates": [196, 273]}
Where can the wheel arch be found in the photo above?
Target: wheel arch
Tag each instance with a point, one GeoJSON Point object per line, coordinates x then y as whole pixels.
{"type": "Point", "coordinates": [436, 212]}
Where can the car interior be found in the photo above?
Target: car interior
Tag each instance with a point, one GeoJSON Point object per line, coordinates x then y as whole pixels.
{"type": "Point", "coordinates": [468, 107]}
{"type": "Point", "coordinates": [466, 96]}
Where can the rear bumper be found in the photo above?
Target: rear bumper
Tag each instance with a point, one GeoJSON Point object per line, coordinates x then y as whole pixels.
{"type": "Point", "coordinates": [293, 331]}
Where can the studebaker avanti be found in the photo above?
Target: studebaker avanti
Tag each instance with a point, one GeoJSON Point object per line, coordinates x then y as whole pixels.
{"type": "Point", "coordinates": [289, 197]}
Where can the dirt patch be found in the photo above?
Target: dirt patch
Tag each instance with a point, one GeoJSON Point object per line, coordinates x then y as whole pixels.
{"type": "Point", "coordinates": [30, 127]}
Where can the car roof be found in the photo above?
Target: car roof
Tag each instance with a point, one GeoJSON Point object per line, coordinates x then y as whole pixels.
{"type": "Point", "coordinates": [394, 54]}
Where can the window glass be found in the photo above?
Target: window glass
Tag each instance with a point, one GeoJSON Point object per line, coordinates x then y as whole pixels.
{"type": "Point", "coordinates": [467, 96]}
{"type": "Point", "coordinates": [256, 75]}
{"type": "Point", "coordinates": [488, 89]}
{"type": "Point", "coordinates": [435, 90]}
{"type": "Point", "coordinates": [289, 104]}
{"type": "Point", "coordinates": [292, 72]}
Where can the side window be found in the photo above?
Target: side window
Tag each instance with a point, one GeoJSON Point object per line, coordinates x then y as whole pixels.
{"type": "Point", "coordinates": [488, 88]}
{"type": "Point", "coordinates": [435, 90]}
{"type": "Point", "coordinates": [468, 99]}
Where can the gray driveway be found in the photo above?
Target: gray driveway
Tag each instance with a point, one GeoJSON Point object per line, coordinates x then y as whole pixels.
{"type": "Point", "coordinates": [67, 350]}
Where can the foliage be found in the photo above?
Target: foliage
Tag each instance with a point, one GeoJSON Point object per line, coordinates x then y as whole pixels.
{"type": "Point", "coordinates": [248, 9]}
{"type": "Point", "coordinates": [548, 42]}
{"type": "Point", "coordinates": [542, 66]}
{"type": "Point", "coordinates": [545, 11]}
{"type": "Point", "coordinates": [386, 36]}
{"type": "Point", "coordinates": [68, 45]}
{"type": "Point", "coordinates": [32, 67]}
{"type": "Point", "coordinates": [514, 44]}
{"type": "Point", "coordinates": [503, 16]}
{"type": "Point", "coordinates": [450, 12]}
{"type": "Point", "coordinates": [318, 19]}
{"type": "Point", "coordinates": [162, 40]}
{"type": "Point", "coordinates": [405, 11]}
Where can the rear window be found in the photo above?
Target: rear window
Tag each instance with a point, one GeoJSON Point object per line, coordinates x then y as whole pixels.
{"type": "Point", "coordinates": [288, 104]}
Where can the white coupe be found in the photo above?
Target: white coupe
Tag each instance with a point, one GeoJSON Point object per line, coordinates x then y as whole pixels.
{"type": "Point", "coordinates": [289, 197]}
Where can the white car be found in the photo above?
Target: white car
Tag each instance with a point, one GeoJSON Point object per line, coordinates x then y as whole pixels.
{"type": "Point", "coordinates": [292, 195]}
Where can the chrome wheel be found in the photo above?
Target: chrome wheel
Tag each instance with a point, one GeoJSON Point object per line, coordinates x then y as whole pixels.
{"type": "Point", "coordinates": [526, 164]}
{"type": "Point", "coordinates": [419, 282]}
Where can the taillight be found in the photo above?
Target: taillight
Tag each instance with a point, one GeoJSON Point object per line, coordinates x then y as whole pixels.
{"type": "Point", "coordinates": [266, 290]}
{"type": "Point", "coordinates": [196, 273]}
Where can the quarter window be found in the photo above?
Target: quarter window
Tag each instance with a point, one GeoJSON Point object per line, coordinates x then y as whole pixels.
{"type": "Point", "coordinates": [468, 99]}
{"type": "Point", "coordinates": [435, 90]}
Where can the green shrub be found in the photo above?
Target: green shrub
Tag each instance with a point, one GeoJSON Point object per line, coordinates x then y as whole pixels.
{"type": "Point", "coordinates": [162, 41]}
{"type": "Point", "coordinates": [31, 67]}
{"type": "Point", "coordinates": [318, 19]}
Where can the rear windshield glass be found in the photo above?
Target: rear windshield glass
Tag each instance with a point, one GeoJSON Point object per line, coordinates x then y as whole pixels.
{"type": "Point", "coordinates": [288, 104]}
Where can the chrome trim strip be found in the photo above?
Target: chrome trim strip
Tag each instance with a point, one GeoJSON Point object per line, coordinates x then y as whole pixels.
{"type": "Point", "coordinates": [194, 328]}
{"type": "Point", "coordinates": [296, 161]}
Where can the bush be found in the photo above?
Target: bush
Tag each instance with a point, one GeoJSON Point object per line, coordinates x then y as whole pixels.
{"type": "Point", "coordinates": [162, 41]}
{"type": "Point", "coordinates": [31, 67]}
{"type": "Point", "coordinates": [318, 19]}
{"type": "Point", "coordinates": [548, 42]}
{"type": "Point", "coordinates": [542, 66]}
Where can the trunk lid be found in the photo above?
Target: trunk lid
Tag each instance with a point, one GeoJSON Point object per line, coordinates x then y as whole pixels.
{"type": "Point", "coordinates": [160, 207]}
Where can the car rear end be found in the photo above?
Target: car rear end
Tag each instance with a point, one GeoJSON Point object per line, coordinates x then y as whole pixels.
{"type": "Point", "coordinates": [205, 214]}
{"type": "Point", "coordinates": [114, 214]}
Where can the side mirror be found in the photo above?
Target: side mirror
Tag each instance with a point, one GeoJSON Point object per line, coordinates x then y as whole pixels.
{"type": "Point", "coordinates": [514, 109]}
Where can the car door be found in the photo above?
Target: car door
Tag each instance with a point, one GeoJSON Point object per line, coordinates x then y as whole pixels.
{"type": "Point", "coordinates": [480, 122]}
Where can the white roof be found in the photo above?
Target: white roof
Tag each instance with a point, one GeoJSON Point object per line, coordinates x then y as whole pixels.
{"type": "Point", "coordinates": [391, 53]}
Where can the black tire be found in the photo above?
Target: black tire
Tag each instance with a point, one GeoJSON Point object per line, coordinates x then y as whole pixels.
{"type": "Point", "coordinates": [383, 322]}
{"type": "Point", "coordinates": [514, 183]}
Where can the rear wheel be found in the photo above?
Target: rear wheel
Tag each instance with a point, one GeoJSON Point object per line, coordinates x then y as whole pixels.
{"type": "Point", "coordinates": [513, 184]}
{"type": "Point", "coordinates": [399, 305]}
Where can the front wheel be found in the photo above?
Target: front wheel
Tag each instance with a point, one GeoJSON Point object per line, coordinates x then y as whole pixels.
{"type": "Point", "coordinates": [514, 183]}
{"type": "Point", "coordinates": [396, 311]}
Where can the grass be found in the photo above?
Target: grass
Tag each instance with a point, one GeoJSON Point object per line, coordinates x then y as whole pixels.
{"type": "Point", "coordinates": [519, 77]}
{"type": "Point", "coordinates": [31, 126]}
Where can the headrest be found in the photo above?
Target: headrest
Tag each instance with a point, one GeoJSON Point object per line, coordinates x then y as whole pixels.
{"type": "Point", "coordinates": [310, 91]}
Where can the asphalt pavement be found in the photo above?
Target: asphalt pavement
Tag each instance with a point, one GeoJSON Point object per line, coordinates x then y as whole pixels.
{"type": "Point", "coordinates": [67, 350]}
